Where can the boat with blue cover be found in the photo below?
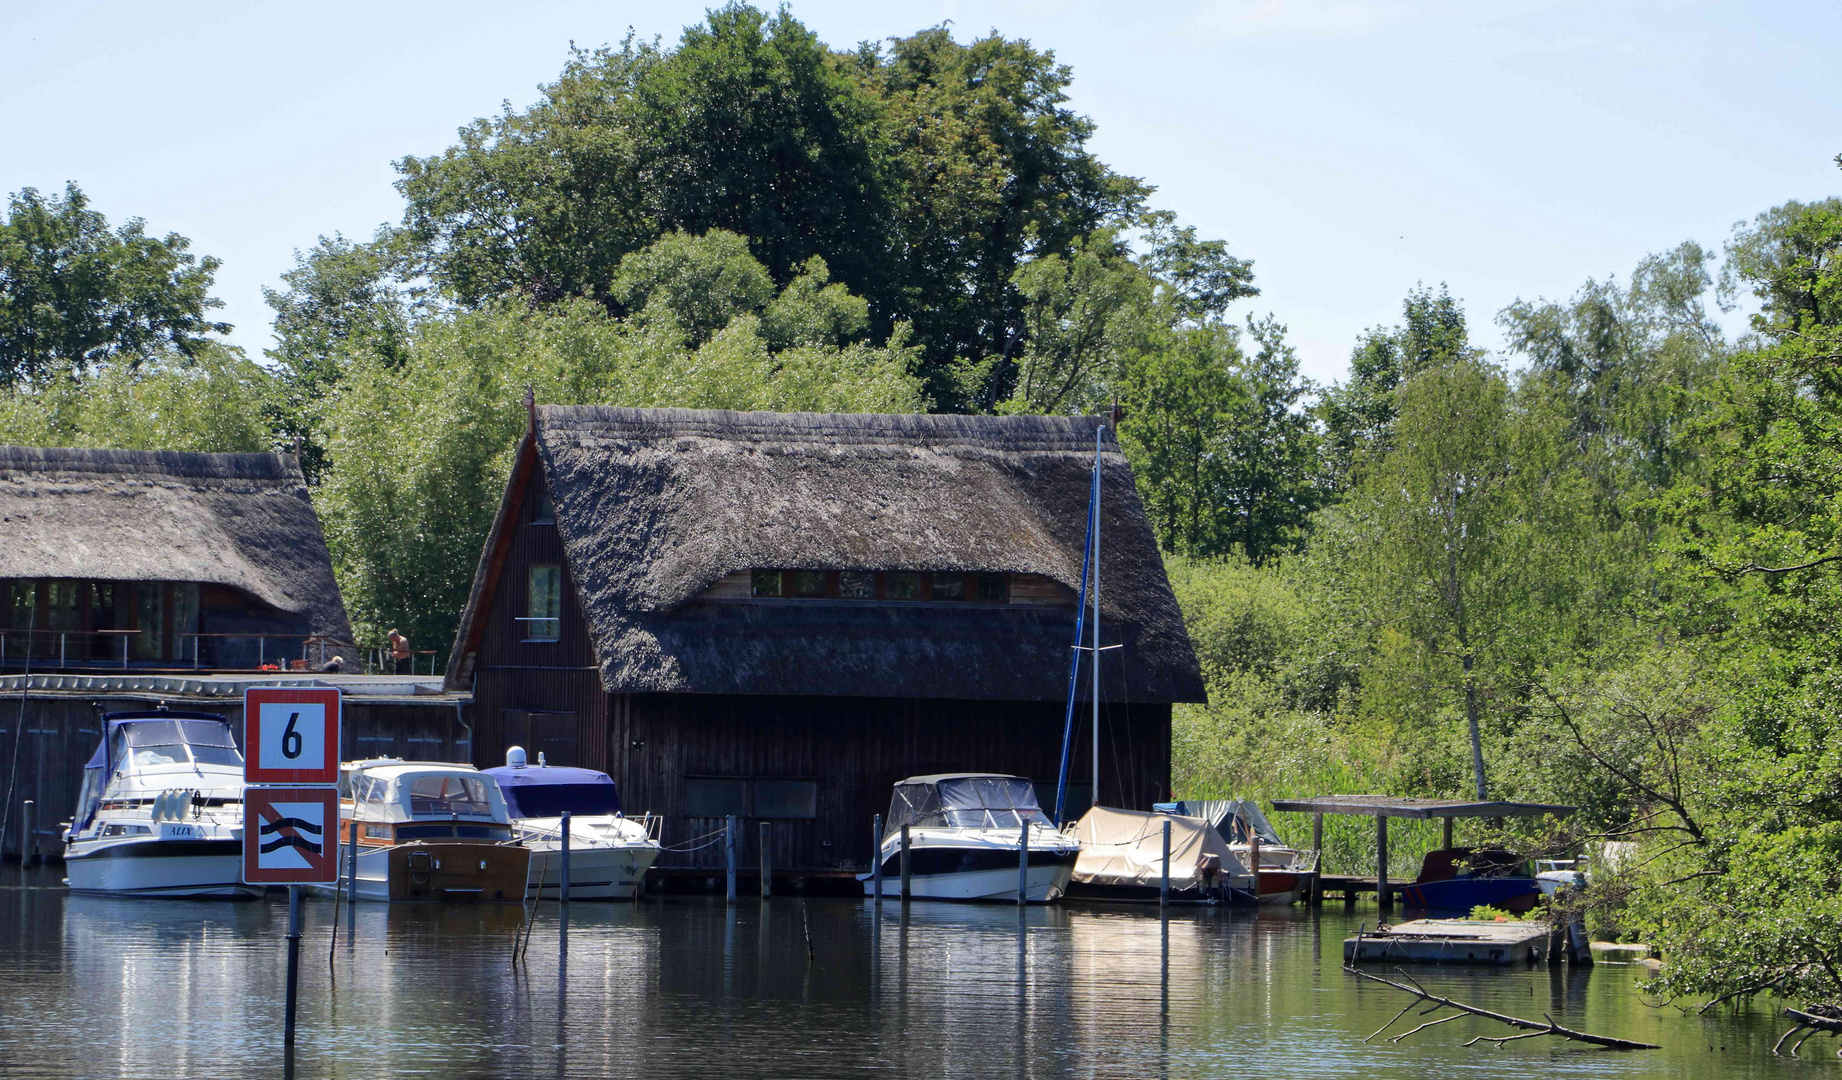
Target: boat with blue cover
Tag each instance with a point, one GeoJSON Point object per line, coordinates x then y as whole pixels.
{"type": "Point", "coordinates": [609, 853]}
{"type": "Point", "coordinates": [1461, 878]}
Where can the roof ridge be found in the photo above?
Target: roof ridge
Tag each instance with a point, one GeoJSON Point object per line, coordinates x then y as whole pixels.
{"type": "Point", "coordinates": [1069, 433]}
{"type": "Point", "coordinates": [178, 464]}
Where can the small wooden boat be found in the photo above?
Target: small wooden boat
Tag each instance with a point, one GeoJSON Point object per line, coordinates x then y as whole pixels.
{"type": "Point", "coordinates": [1459, 879]}
{"type": "Point", "coordinates": [428, 831]}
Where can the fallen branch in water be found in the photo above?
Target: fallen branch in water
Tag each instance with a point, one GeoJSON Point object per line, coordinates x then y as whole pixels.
{"type": "Point", "coordinates": [1809, 1023]}
{"type": "Point", "coordinates": [1530, 1028]}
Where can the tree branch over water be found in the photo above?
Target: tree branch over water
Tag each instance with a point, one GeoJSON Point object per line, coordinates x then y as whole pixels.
{"type": "Point", "coordinates": [1530, 1028]}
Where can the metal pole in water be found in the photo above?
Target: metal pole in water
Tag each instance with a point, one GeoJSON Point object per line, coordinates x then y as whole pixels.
{"type": "Point", "coordinates": [905, 879]}
{"type": "Point", "coordinates": [28, 851]}
{"type": "Point", "coordinates": [767, 869]}
{"type": "Point", "coordinates": [294, 962]}
{"type": "Point", "coordinates": [876, 859]}
{"type": "Point", "coordinates": [1023, 865]}
{"type": "Point", "coordinates": [1164, 881]}
{"type": "Point", "coordinates": [351, 877]}
{"type": "Point", "coordinates": [562, 892]}
{"type": "Point", "coordinates": [729, 846]}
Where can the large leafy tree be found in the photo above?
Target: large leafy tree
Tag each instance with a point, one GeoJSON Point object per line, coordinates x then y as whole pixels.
{"type": "Point", "coordinates": [76, 294]}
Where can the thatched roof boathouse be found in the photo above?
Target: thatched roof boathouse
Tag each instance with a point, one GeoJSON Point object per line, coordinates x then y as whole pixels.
{"type": "Point", "coordinates": [779, 615]}
{"type": "Point", "coordinates": [129, 559]}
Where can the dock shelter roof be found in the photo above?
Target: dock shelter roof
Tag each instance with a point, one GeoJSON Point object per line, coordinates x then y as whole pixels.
{"type": "Point", "coordinates": [1400, 807]}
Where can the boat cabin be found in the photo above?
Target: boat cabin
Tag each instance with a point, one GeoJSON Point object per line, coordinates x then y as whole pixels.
{"type": "Point", "coordinates": [964, 801]}
{"type": "Point", "coordinates": [124, 560]}
{"type": "Point", "coordinates": [547, 791]}
{"type": "Point", "coordinates": [396, 801]}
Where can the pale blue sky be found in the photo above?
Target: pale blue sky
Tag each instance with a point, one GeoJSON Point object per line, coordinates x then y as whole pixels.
{"type": "Point", "coordinates": [1351, 147]}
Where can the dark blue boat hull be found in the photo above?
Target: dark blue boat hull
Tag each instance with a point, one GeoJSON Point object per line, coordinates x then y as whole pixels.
{"type": "Point", "coordinates": [1463, 894]}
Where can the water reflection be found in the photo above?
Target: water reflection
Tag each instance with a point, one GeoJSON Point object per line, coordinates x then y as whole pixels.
{"type": "Point", "coordinates": [788, 987]}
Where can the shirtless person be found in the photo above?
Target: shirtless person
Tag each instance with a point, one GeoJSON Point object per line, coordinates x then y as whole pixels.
{"type": "Point", "coordinates": [400, 656]}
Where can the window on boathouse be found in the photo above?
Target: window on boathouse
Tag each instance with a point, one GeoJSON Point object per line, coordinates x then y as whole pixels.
{"type": "Point", "coordinates": [544, 621]}
{"type": "Point", "coordinates": [756, 797]}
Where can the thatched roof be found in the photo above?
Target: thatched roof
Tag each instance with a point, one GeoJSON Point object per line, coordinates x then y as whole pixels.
{"type": "Point", "coordinates": [656, 505]}
{"type": "Point", "coordinates": [242, 520]}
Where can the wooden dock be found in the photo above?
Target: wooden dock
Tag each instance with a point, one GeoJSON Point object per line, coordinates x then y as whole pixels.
{"type": "Point", "coordinates": [1456, 941]}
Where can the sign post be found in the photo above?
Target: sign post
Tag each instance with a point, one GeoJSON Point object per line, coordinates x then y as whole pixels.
{"type": "Point", "coordinates": [291, 801]}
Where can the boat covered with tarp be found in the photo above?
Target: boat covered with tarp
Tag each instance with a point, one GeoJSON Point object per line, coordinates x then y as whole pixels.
{"type": "Point", "coordinates": [1122, 859]}
{"type": "Point", "coordinates": [1285, 871]}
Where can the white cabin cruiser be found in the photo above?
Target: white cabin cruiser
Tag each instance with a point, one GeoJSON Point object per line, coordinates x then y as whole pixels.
{"type": "Point", "coordinates": [427, 831]}
{"type": "Point", "coordinates": [161, 810]}
{"type": "Point", "coordinates": [609, 853]}
{"type": "Point", "coordinates": [964, 831]}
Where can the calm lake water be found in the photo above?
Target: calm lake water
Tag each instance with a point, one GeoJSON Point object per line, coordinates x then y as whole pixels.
{"type": "Point", "coordinates": [689, 987]}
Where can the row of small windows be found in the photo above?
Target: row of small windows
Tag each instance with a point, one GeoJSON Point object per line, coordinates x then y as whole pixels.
{"type": "Point", "coordinates": [756, 797]}
{"type": "Point", "coordinates": [880, 585]}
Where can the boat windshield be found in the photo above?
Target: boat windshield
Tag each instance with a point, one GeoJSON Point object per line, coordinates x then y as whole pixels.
{"type": "Point", "coordinates": [967, 802]}
{"type": "Point", "coordinates": [553, 800]}
{"type": "Point", "coordinates": [174, 742]}
{"type": "Point", "coordinates": [443, 796]}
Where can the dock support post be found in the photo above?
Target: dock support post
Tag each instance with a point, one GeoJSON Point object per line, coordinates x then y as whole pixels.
{"type": "Point", "coordinates": [562, 891]}
{"type": "Point", "coordinates": [1253, 858]}
{"type": "Point", "coordinates": [729, 849]}
{"type": "Point", "coordinates": [1381, 862]}
{"type": "Point", "coordinates": [1448, 832]}
{"type": "Point", "coordinates": [1164, 881]}
{"type": "Point", "coordinates": [876, 860]}
{"type": "Point", "coordinates": [1317, 868]}
{"type": "Point", "coordinates": [28, 849]}
{"type": "Point", "coordinates": [767, 867]}
{"type": "Point", "coordinates": [294, 963]}
{"type": "Point", "coordinates": [1023, 866]}
{"type": "Point", "coordinates": [905, 876]}
{"type": "Point", "coordinates": [351, 878]}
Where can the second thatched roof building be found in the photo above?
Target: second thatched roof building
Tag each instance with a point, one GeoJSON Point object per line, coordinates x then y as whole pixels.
{"type": "Point", "coordinates": [777, 616]}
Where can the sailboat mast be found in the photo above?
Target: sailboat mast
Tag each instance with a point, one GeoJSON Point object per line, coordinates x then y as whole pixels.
{"type": "Point", "coordinates": [1096, 557]}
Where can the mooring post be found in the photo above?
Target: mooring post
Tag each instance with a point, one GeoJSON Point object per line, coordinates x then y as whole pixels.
{"type": "Point", "coordinates": [1164, 879]}
{"type": "Point", "coordinates": [1317, 867]}
{"type": "Point", "coordinates": [1381, 862]}
{"type": "Point", "coordinates": [876, 860]}
{"type": "Point", "coordinates": [905, 881]}
{"type": "Point", "coordinates": [767, 868]}
{"type": "Point", "coordinates": [562, 889]}
{"type": "Point", "coordinates": [28, 851]}
{"type": "Point", "coordinates": [351, 877]}
{"type": "Point", "coordinates": [1253, 858]}
{"type": "Point", "coordinates": [1448, 832]}
{"type": "Point", "coordinates": [1023, 866]}
{"type": "Point", "coordinates": [294, 962]}
{"type": "Point", "coordinates": [729, 846]}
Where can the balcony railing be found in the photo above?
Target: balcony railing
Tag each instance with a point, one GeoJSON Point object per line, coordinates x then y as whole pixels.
{"type": "Point", "coordinates": [92, 650]}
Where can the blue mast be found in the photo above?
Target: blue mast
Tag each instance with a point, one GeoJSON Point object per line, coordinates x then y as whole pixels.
{"type": "Point", "coordinates": [1074, 665]}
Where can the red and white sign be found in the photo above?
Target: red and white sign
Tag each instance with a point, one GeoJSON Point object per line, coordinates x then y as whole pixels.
{"type": "Point", "coordinates": [291, 735]}
{"type": "Point", "coordinates": [290, 835]}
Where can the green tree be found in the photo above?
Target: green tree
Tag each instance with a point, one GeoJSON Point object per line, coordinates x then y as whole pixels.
{"type": "Point", "coordinates": [213, 400]}
{"type": "Point", "coordinates": [75, 293]}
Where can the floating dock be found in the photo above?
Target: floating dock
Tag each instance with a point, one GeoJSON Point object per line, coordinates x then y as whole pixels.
{"type": "Point", "coordinates": [1456, 941]}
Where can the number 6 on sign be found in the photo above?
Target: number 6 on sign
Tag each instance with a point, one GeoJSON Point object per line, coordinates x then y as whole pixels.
{"type": "Point", "coordinates": [291, 735]}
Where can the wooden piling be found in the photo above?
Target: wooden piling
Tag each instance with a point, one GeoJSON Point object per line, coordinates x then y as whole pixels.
{"type": "Point", "coordinates": [729, 855]}
{"type": "Point", "coordinates": [1448, 833]}
{"type": "Point", "coordinates": [905, 868]}
{"type": "Point", "coordinates": [1164, 881]}
{"type": "Point", "coordinates": [1023, 866]}
{"type": "Point", "coordinates": [28, 844]}
{"type": "Point", "coordinates": [1317, 868]}
{"type": "Point", "coordinates": [767, 867]}
{"type": "Point", "coordinates": [876, 860]}
{"type": "Point", "coordinates": [1381, 862]}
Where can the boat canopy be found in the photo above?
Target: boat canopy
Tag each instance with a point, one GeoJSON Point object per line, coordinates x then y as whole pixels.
{"type": "Point", "coordinates": [423, 793]}
{"type": "Point", "coordinates": [963, 800]}
{"type": "Point", "coordinates": [1126, 847]}
{"type": "Point", "coordinates": [1235, 819]}
{"type": "Point", "coordinates": [547, 791]}
{"type": "Point", "coordinates": [152, 738]}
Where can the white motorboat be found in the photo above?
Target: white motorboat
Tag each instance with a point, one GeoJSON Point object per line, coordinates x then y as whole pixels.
{"type": "Point", "coordinates": [427, 831]}
{"type": "Point", "coordinates": [161, 810]}
{"type": "Point", "coordinates": [964, 833]}
{"type": "Point", "coordinates": [609, 853]}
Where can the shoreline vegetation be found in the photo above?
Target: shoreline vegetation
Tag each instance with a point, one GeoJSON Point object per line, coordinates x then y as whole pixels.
{"type": "Point", "coordinates": [1601, 569]}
